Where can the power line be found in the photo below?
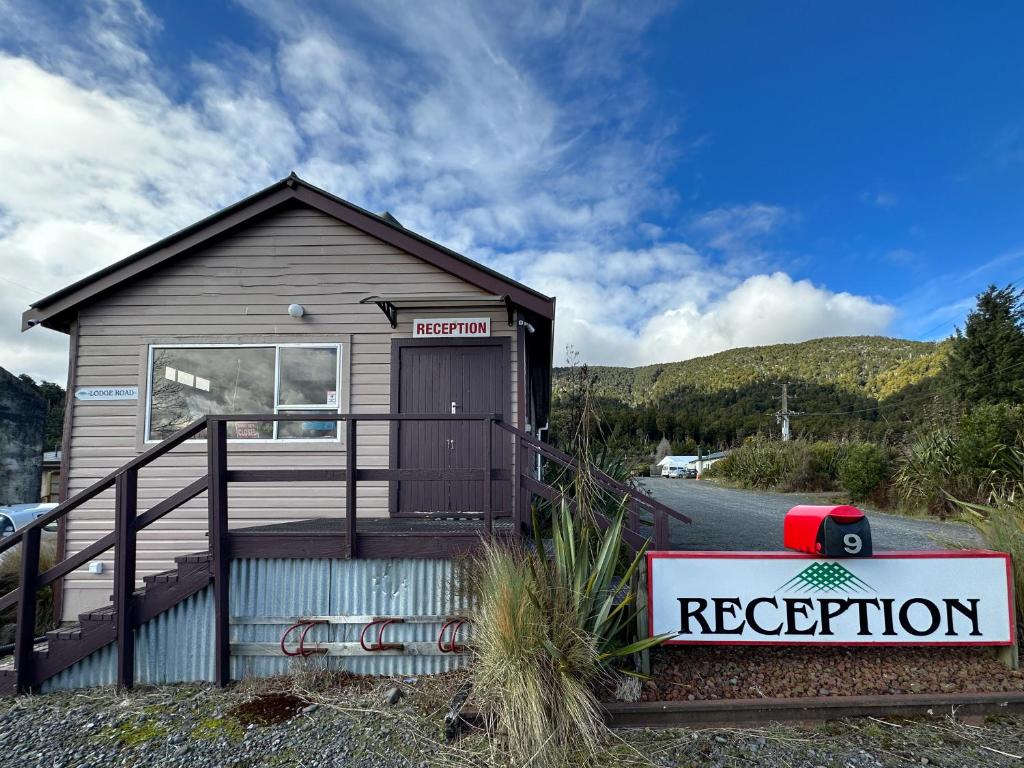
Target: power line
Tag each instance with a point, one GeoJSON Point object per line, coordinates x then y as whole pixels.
{"type": "Point", "coordinates": [21, 285]}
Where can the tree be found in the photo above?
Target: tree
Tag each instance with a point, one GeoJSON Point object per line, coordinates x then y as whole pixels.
{"type": "Point", "coordinates": [54, 396]}
{"type": "Point", "coordinates": [986, 364]}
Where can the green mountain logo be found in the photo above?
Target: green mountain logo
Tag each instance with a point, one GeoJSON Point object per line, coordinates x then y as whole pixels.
{"type": "Point", "coordinates": [825, 577]}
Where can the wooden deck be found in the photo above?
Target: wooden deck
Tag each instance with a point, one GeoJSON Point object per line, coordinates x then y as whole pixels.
{"type": "Point", "coordinates": [375, 538]}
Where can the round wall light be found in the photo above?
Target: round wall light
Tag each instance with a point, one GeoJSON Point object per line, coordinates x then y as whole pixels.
{"type": "Point", "coordinates": [296, 310]}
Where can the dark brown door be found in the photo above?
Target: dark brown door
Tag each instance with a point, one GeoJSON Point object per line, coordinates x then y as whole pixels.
{"type": "Point", "coordinates": [448, 378]}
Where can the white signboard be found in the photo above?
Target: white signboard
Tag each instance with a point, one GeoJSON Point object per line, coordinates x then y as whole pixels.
{"type": "Point", "coordinates": [457, 327]}
{"type": "Point", "coordinates": [893, 598]}
{"type": "Point", "coordinates": [107, 393]}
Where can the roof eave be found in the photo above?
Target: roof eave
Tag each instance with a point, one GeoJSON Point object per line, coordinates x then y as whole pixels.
{"type": "Point", "coordinates": [52, 311]}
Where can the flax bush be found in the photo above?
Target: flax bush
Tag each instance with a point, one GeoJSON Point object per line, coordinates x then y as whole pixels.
{"type": "Point", "coordinates": [548, 629]}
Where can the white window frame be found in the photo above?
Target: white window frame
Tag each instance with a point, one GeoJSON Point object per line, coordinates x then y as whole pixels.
{"type": "Point", "coordinates": [278, 408]}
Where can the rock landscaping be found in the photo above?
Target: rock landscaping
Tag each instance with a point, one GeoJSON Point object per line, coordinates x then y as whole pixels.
{"type": "Point", "coordinates": [703, 673]}
{"type": "Point", "coordinates": [314, 720]}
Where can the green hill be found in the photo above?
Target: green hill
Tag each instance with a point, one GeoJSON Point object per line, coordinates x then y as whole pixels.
{"type": "Point", "coordinates": [721, 398]}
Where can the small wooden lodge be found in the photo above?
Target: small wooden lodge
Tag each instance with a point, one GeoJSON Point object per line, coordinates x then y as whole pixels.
{"type": "Point", "coordinates": [284, 425]}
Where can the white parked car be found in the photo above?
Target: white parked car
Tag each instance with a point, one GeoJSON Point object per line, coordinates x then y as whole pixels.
{"type": "Point", "coordinates": [675, 473]}
{"type": "Point", "coordinates": [16, 516]}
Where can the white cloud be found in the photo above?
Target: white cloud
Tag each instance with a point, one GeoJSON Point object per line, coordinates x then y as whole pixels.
{"type": "Point", "coordinates": [761, 309]}
{"type": "Point", "coordinates": [513, 135]}
{"type": "Point", "coordinates": [739, 228]}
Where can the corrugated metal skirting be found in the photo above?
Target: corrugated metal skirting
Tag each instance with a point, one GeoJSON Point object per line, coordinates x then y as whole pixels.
{"type": "Point", "coordinates": [177, 646]}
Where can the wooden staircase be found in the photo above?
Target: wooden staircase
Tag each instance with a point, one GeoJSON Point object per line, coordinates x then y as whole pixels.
{"type": "Point", "coordinates": [96, 629]}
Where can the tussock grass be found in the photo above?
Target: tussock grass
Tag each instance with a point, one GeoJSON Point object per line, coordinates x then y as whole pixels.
{"type": "Point", "coordinates": [533, 664]}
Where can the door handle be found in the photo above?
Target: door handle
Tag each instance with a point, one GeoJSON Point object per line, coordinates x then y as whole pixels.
{"type": "Point", "coordinates": [455, 406]}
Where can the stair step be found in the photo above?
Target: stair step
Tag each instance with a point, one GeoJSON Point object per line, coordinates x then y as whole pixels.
{"type": "Point", "coordinates": [100, 614]}
{"type": "Point", "coordinates": [73, 632]}
{"type": "Point", "coordinates": [196, 557]}
{"type": "Point", "coordinates": [163, 577]}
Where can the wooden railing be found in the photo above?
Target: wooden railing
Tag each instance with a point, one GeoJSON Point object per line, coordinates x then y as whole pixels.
{"type": "Point", "coordinates": [643, 513]}
{"type": "Point", "coordinates": [647, 520]}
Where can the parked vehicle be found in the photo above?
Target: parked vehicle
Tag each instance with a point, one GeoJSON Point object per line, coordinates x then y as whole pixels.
{"type": "Point", "coordinates": [16, 516]}
{"type": "Point", "coordinates": [674, 473]}
{"type": "Point", "coordinates": [691, 474]}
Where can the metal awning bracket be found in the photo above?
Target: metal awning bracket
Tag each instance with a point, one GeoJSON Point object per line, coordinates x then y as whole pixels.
{"type": "Point", "coordinates": [387, 307]}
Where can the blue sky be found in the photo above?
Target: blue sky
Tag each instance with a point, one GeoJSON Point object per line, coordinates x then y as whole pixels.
{"type": "Point", "coordinates": [684, 177]}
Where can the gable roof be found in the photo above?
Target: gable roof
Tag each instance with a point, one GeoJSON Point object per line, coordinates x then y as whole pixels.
{"type": "Point", "coordinates": [56, 310]}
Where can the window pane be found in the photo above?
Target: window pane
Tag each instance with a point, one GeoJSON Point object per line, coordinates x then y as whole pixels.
{"type": "Point", "coordinates": [190, 383]}
{"type": "Point", "coordinates": [308, 430]}
{"type": "Point", "coordinates": [309, 376]}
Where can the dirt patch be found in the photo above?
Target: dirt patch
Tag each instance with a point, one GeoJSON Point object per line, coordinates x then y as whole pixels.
{"type": "Point", "coordinates": [703, 673]}
{"type": "Point", "coordinates": [268, 709]}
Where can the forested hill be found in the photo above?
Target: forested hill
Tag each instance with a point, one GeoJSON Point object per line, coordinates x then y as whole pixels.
{"type": "Point", "coordinates": [720, 398]}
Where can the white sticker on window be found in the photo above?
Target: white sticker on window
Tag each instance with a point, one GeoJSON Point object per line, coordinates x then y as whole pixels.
{"type": "Point", "coordinates": [171, 374]}
{"type": "Point", "coordinates": [332, 397]}
{"type": "Point", "coordinates": [203, 384]}
{"type": "Point", "coordinates": [186, 378]}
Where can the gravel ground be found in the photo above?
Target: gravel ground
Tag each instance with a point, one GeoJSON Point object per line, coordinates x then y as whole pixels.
{"type": "Point", "coordinates": [308, 721]}
{"type": "Point", "coordinates": [736, 519]}
{"type": "Point", "coordinates": [750, 673]}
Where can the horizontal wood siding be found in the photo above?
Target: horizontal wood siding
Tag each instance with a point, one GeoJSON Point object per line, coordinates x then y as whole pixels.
{"type": "Point", "coordinates": [238, 290]}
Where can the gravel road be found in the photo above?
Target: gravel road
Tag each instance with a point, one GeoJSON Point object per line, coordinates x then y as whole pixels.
{"type": "Point", "coordinates": [733, 519]}
{"type": "Point", "coordinates": [196, 726]}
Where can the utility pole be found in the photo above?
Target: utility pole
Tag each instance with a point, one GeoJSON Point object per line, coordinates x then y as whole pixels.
{"type": "Point", "coordinates": [782, 416]}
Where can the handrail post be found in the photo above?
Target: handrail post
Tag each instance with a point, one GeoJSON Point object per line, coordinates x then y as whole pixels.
{"type": "Point", "coordinates": [517, 516]}
{"type": "Point", "coordinates": [488, 459]}
{"type": "Point", "coordinates": [24, 650]}
{"type": "Point", "coordinates": [350, 487]}
{"type": "Point", "coordinates": [217, 497]}
{"type": "Point", "coordinates": [660, 530]}
{"type": "Point", "coordinates": [126, 502]}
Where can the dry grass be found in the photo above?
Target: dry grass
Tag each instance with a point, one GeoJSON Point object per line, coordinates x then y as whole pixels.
{"type": "Point", "coordinates": [533, 666]}
{"type": "Point", "coordinates": [10, 578]}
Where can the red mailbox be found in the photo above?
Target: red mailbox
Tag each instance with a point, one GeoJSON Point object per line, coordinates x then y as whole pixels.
{"type": "Point", "coordinates": [839, 531]}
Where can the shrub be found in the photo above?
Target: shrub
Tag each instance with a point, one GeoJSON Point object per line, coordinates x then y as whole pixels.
{"type": "Point", "coordinates": [863, 470]}
{"type": "Point", "coordinates": [964, 460]}
{"type": "Point", "coordinates": [1001, 522]}
{"type": "Point", "coordinates": [546, 630]}
{"type": "Point", "coordinates": [816, 465]}
{"type": "Point", "coordinates": [758, 463]}
{"type": "Point", "coordinates": [984, 435]}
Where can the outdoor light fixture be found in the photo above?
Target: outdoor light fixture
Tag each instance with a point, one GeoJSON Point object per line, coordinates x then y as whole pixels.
{"type": "Point", "coordinates": [296, 310]}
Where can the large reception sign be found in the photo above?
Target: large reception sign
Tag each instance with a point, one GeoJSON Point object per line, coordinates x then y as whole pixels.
{"type": "Point", "coordinates": [893, 598]}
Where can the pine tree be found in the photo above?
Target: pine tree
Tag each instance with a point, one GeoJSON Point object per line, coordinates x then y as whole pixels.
{"type": "Point", "coordinates": [987, 361]}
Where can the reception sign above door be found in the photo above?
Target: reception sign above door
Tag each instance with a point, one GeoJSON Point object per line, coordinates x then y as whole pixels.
{"type": "Point", "coordinates": [451, 327]}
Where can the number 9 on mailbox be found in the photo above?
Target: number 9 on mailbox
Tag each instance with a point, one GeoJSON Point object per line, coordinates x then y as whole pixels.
{"type": "Point", "coordinates": [840, 531]}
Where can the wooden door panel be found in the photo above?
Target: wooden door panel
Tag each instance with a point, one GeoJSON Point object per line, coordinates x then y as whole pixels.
{"type": "Point", "coordinates": [430, 379]}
